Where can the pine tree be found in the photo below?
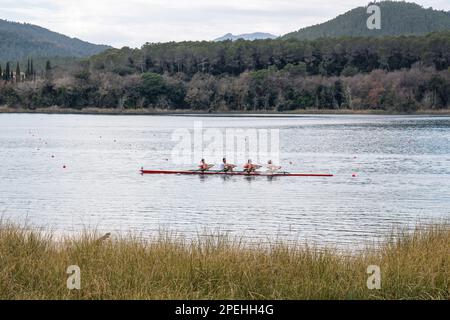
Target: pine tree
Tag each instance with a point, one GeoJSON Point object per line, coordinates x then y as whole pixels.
{"type": "Point", "coordinates": [48, 70]}
{"type": "Point", "coordinates": [32, 69]}
{"type": "Point", "coordinates": [27, 73]}
{"type": "Point", "coordinates": [7, 73]}
{"type": "Point", "coordinates": [18, 76]}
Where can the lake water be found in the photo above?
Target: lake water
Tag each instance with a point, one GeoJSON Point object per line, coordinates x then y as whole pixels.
{"type": "Point", "coordinates": [401, 166]}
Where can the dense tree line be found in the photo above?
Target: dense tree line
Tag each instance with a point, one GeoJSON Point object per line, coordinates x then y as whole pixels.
{"type": "Point", "coordinates": [394, 74]}
{"type": "Point", "coordinates": [263, 90]}
{"type": "Point", "coordinates": [327, 57]}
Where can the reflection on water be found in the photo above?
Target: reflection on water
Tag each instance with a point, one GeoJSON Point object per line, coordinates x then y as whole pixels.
{"type": "Point", "coordinates": [401, 167]}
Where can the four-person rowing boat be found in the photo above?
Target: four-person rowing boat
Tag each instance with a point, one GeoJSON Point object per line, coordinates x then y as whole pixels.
{"type": "Point", "coordinates": [227, 169]}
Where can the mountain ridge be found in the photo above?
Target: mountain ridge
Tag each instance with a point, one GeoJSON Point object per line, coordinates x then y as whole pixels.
{"type": "Point", "coordinates": [247, 36]}
{"type": "Point", "coordinates": [397, 19]}
{"type": "Point", "coordinates": [23, 40]}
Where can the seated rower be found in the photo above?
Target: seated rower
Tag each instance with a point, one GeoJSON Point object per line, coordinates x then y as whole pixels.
{"type": "Point", "coordinates": [249, 167]}
{"type": "Point", "coordinates": [204, 166]}
{"type": "Point", "coordinates": [271, 168]}
{"type": "Point", "coordinates": [226, 167]}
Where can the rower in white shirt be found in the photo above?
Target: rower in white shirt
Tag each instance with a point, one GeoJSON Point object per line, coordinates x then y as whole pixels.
{"type": "Point", "coordinates": [271, 168]}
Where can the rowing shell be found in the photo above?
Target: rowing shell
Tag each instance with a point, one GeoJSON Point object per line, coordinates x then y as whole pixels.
{"type": "Point", "coordinates": [236, 173]}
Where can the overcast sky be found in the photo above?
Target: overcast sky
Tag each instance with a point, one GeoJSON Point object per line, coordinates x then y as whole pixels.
{"type": "Point", "coordinates": [134, 22]}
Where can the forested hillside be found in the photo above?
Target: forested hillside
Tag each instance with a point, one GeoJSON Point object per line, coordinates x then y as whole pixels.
{"type": "Point", "coordinates": [397, 18]}
{"type": "Point", "coordinates": [21, 41]}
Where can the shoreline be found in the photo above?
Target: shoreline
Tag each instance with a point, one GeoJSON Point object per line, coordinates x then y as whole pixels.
{"type": "Point", "coordinates": [183, 112]}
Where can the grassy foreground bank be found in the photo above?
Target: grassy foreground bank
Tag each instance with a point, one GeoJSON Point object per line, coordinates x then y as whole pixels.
{"type": "Point", "coordinates": [33, 266]}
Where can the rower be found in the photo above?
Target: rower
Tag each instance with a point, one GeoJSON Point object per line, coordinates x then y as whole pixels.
{"type": "Point", "coordinates": [271, 168]}
{"type": "Point", "coordinates": [249, 167]}
{"type": "Point", "coordinates": [204, 166]}
{"type": "Point", "coordinates": [226, 167]}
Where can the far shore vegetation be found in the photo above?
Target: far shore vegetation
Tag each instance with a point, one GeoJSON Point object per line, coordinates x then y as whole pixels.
{"type": "Point", "coordinates": [390, 74]}
{"type": "Point", "coordinates": [413, 265]}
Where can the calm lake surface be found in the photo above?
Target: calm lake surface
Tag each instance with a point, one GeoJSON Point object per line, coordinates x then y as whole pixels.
{"type": "Point", "coordinates": [402, 167]}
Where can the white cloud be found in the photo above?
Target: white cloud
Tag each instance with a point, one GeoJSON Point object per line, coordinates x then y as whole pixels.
{"type": "Point", "coordinates": [135, 22]}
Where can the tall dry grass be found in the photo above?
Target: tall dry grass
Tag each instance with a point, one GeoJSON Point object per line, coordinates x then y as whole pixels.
{"type": "Point", "coordinates": [33, 266]}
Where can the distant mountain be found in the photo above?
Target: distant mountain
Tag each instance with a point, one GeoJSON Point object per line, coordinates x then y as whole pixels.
{"type": "Point", "coordinates": [397, 18]}
{"type": "Point", "coordinates": [247, 36]}
{"type": "Point", "coordinates": [21, 40]}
